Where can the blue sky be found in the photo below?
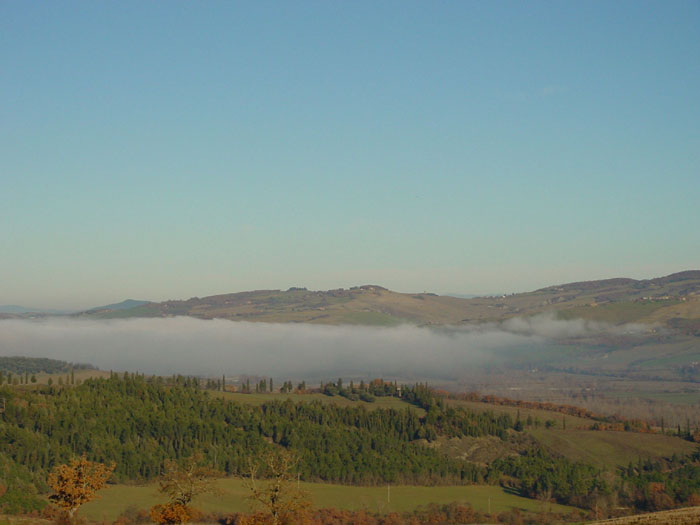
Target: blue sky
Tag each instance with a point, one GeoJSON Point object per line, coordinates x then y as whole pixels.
{"type": "Point", "coordinates": [170, 149]}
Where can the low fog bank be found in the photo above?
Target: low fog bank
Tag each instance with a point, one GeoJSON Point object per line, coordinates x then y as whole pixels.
{"type": "Point", "coordinates": [192, 346]}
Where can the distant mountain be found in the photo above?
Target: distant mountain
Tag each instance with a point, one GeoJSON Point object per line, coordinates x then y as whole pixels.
{"type": "Point", "coordinates": [673, 301]}
{"type": "Point", "coordinates": [124, 305]}
{"type": "Point", "coordinates": [16, 309]}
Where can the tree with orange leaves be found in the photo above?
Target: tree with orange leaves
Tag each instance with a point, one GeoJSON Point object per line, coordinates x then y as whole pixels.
{"type": "Point", "coordinates": [77, 483]}
{"type": "Point", "coordinates": [170, 513]}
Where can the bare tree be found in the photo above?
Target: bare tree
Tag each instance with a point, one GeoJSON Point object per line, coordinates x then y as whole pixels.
{"type": "Point", "coordinates": [182, 483]}
{"type": "Point", "coordinates": [544, 496]}
{"type": "Point", "coordinates": [271, 482]}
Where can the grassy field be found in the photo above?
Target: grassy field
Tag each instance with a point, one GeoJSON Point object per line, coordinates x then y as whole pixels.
{"type": "Point", "coordinates": [80, 375]}
{"type": "Point", "coordinates": [616, 313]}
{"type": "Point", "coordinates": [679, 398]}
{"type": "Point", "coordinates": [611, 449]}
{"type": "Point", "coordinates": [232, 498]}
{"type": "Point", "coordinates": [543, 415]}
{"type": "Point", "coordinates": [259, 399]}
{"type": "Point", "coordinates": [371, 319]}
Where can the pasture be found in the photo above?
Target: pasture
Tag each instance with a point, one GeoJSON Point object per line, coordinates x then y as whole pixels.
{"type": "Point", "coordinates": [611, 449]}
{"type": "Point", "coordinates": [232, 498]}
{"type": "Point", "coordinates": [258, 399]}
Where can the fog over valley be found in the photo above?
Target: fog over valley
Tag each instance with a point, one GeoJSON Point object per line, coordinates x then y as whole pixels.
{"type": "Point", "coordinates": [186, 345]}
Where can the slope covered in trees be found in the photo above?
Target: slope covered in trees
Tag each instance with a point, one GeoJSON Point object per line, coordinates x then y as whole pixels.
{"type": "Point", "coordinates": [139, 423]}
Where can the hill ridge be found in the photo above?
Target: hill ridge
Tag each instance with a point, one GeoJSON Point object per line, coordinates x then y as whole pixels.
{"type": "Point", "coordinates": [619, 300]}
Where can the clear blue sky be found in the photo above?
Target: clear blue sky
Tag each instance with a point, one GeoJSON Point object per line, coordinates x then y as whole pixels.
{"type": "Point", "coordinates": [170, 149]}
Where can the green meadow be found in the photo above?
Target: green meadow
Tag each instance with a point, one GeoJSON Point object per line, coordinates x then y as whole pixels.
{"type": "Point", "coordinates": [232, 498]}
{"type": "Point", "coordinates": [610, 449]}
{"type": "Point", "coordinates": [258, 399]}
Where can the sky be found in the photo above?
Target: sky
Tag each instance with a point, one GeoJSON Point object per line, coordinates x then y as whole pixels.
{"type": "Point", "coordinates": [162, 150]}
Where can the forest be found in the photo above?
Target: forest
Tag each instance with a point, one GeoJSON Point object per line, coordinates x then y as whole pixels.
{"type": "Point", "coordinates": [140, 423]}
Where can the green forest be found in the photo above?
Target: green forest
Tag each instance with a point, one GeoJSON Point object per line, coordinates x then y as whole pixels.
{"type": "Point", "coordinates": [140, 422]}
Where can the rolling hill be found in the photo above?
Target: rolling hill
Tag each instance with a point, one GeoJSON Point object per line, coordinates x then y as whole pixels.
{"type": "Point", "coordinates": [673, 301]}
{"type": "Point", "coordinates": [123, 305]}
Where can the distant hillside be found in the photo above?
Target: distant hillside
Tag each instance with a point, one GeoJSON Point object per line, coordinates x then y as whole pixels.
{"type": "Point", "coordinates": [14, 309]}
{"type": "Point", "coordinates": [124, 305]}
{"type": "Point", "coordinates": [35, 365]}
{"type": "Point", "coordinates": [673, 300]}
